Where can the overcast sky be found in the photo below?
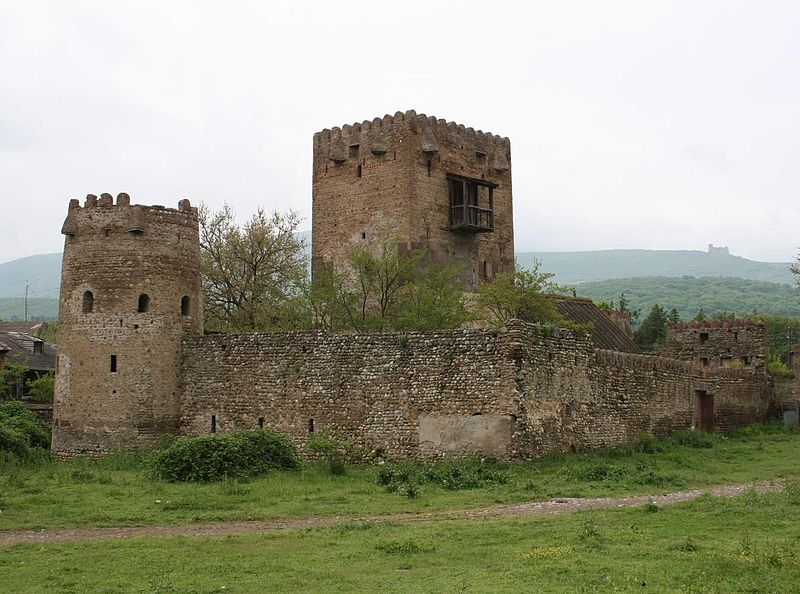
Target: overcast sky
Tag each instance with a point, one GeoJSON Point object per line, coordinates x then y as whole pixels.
{"type": "Point", "coordinates": [633, 124]}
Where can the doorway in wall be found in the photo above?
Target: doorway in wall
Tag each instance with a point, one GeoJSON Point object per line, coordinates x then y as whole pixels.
{"type": "Point", "coordinates": [703, 410]}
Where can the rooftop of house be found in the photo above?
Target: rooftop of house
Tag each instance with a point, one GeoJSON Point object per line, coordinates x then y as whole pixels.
{"type": "Point", "coordinates": [605, 333]}
{"type": "Point", "coordinates": [23, 347]}
{"type": "Point", "coordinates": [28, 327]}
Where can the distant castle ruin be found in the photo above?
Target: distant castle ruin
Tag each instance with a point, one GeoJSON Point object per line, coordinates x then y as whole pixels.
{"type": "Point", "coordinates": [718, 250]}
{"type": "Point", "coordinates": [134, 364]}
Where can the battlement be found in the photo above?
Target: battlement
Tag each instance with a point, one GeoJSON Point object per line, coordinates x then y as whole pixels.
{"type": "Point", "coordinates": [123, 199]}
{"type": "Point", "coordinates": [102, 214]}
{"type": "Point", "coordinates": [380, 135]}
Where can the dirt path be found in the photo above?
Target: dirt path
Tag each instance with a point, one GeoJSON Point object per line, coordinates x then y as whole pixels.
{"type": "Point", "coordinates": [535, 508]}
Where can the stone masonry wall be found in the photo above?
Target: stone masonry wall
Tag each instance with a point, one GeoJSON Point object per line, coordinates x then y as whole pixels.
{"type": "Point", "coordinates": [391, 173]}
{"type": "Point", "coordinates": [373, 388]}
{"type": "Point", "coordinates": [719, 344]}
{"type": "Point", "coordinates": [518, 392]}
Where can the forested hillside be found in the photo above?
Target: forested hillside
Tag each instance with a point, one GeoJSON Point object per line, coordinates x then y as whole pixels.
{"type": "Point", "coordinates": [578, 267]}
{"type": "Point", "coordinates": [688, 294]}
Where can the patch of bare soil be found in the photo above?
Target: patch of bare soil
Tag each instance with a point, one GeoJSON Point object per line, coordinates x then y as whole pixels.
{"type": "Point", "coordinates": [557, 506]}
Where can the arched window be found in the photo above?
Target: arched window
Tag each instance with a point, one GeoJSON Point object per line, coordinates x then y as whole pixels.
{"type": "Point", "coordinates": [88, 302]}
{"type": "Point", "coordinates": [144, 303]}
{"type": "Point", "coordinates": [185, 305]}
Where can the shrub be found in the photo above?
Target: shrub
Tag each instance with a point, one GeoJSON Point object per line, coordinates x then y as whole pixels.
{"type": "Point", "coordinates": [454, 475]}
{"type": "Point", "coordinates": [336, 451]}
{"type": "Point", "coordinates": [13, 442]}
{"type": "Point", "coordinates": [694, 439]}
{"type": "Point", "coordinates": [238, 454]}
{"type": "Point", "coordinates": [649, 444]}
{"type": "Point", "coordinates": [597, 472]}
{"type": "Point", "coordinates": [21, 430]}
{"type": "Point", "coordinates": [41, 389]}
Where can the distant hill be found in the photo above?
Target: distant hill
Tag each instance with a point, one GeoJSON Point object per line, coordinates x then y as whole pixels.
{"type": "Point", "coordinates": [628, 271]}
{"type": "Point", "coordinates": [688, 294]}
{"type": "Point", "coordinates": [39, 308]}
{"type": "Point", "coordinates": [42, 272]}
{"type": "Point", "coordinates": [580, 267]}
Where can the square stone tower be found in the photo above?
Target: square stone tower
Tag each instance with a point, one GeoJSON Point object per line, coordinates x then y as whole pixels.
{"type": "Point", "coordinates": [433, 184]}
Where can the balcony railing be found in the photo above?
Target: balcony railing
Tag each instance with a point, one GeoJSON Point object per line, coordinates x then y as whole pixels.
{"type": "Point", "coordinates": [471, 219]}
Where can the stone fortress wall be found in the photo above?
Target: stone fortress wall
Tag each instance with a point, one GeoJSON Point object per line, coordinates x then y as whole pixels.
{"type": "Point", "coordinates": [518, 392]}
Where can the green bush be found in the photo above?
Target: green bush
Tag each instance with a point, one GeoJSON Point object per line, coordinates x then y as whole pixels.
{"type": "Point", "coordinates": [336, 451]}
{"type": "Point", "coordinates": [21, 430]}
{"type": "Point", "coordinates": [695, 439]}
{"type": "Point", "coordinates": [454, 475]}
{"type": "Point", "coordinates": [13, 442]}
{"type": "Point", "coordinates": [41, 389]}
{"type": "Point", "coordinates": [238, 454]}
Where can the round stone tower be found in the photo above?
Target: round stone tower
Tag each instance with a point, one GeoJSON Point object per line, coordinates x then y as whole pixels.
{"type": "Point", "coordinates": [130, 290]}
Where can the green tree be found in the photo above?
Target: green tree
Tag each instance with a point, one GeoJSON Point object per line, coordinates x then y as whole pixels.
{"type": "Point", "coordinates": [374, 283]}
{"type": "Point", "coordinates": [674, 317]}
{"type": "Point", "coordinates": [652, 332]}
{"type": "Point", "coordinates": [252, 273]}
{"type": "Point", "coordinates": [522, 294]}
{"type": "Point", "coordinates": [795, 268]}
{"type": "Point", "coordinates": [624, 307]}
{"type": "Point", "coordinates": [783, 333]}
{"type": "Point", "coordinates": [12, 378]}
{"type": "Point", "coordinates": [700, 316]}
{"type": "Point", "coordinates": [381, 287]}
{"type": "Point", "coordinates": [41, 389]}
{"type": "Point", "coordinates": [433, 301]}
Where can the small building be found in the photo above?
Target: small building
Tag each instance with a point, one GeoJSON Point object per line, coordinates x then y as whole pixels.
{"type": "Point", "coordinates": [21, 347]}
{"type": "Point", "coordinates": [740, 344]}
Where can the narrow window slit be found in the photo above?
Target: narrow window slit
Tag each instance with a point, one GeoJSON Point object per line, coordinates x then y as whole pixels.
{"type": "Point", "coordinates": [144, 303]}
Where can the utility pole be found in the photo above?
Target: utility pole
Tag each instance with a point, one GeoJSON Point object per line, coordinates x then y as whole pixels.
{"type": "Point", "coordinates": [26, 301]}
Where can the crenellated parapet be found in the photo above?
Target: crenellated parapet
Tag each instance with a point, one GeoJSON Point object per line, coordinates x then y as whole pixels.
{"type": "Point", "coordinates": [103, 215]}
{"type": "Point", "coordinates": [390, 135]}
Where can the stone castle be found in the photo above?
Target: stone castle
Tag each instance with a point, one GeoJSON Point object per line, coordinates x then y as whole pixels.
{"type": "Point", "coordinates": [134, 364]}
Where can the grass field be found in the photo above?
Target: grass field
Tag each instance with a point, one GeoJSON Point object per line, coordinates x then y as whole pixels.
{"type": "Point", "coordinates": [749, 543]}
{"type": "Point", "coordinates": [116, 491]}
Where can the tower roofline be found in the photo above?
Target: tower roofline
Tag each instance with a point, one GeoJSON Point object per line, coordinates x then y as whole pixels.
{"type": "Point", "coordinates": [123, 199]}
{"type": "Point", "coordinates": [408, 117]}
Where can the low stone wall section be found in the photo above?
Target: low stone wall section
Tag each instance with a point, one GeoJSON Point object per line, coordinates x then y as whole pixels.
{"type": "Point", "coordinates": [518, 392]}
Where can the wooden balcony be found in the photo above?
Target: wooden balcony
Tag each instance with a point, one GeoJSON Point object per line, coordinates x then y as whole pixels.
{"type": "Point", "coordinates": [466, 218]}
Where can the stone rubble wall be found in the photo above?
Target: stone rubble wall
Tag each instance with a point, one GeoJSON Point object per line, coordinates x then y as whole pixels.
{"type": "Point", "coordinates": [514, 393]}
{"type": "Point", "coordinates": [721, 344]}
